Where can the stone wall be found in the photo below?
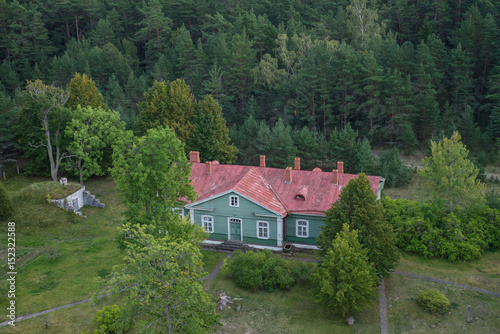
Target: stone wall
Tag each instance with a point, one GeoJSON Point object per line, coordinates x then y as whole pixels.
{"type": "Point", "coordinates": [78, 200]}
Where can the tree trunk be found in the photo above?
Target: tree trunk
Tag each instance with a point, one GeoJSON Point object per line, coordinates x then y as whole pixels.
{"type": "Point", "coordinates": [53, 170]}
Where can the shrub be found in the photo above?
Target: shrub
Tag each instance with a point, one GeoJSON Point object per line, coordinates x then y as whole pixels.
{"type": "Point", "coordinates": [429, 229]}
{"type": "Point", "coordinates": [5, 203]}
{"type": "Point", "coordinates": [433, 301]}
{"type": "Point", "coordinates": [111, 320]}
{"type": "Point", "coordinates": [263, 270]}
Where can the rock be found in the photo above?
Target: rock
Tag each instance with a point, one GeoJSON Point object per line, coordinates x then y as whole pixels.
{"type": "Point", "coordinates": [350, 321]}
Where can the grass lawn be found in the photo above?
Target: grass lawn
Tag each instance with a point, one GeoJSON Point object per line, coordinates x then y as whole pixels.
{"type": "Point", "coordinates": [211, 259]}
{"type": "Point", "coordinates": [292, 311]}
{"type": "Point", "coordinates": [483, 273]}
{"type": "Point", "coordinates": [405, 316]}
{"type": "Point", "coordinates": [74, 319]}
{"type": "Point", "coordinates": [81, 248]}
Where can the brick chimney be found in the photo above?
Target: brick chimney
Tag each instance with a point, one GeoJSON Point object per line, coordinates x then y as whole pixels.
{"type": "Point", "coordinates": [194, 156]}
{"type": "Point", "coordinates": [208, 165]}
{"type": "Point", "coordinates": [288, 175]}
{"type": "Point", "coordinates": [340, 167]}
{"type": "Point", "coordinates": [262, 161]}
{"type": "Point", "coordinates": [335, 176]}
{"type": "Point", "coordinates": [297, 164]}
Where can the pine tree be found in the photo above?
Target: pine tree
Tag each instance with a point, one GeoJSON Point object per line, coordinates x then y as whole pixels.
{"type": "Point", "coordinates": [248, 144]}
{"type": "Point", "coordinates": [307, 149]}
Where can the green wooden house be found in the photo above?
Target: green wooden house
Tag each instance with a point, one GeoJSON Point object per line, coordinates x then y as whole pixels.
{"type": "Point", "coordinates": [265, 207]}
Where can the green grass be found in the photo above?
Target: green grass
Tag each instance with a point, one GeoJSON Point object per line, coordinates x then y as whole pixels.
{"type": "Point", "coordinates": [211, 259]}
{"type": "Point", "coordinates": [483, 273]}
{"type": "Point", "coordinates": [86, 246]}
{"type": "Point", "coordinates": [74, 319]}
{"type": "Point", "coordinates": [292, 311]}
{"type": "Point", "coordinates": [405, 315]}
{"type": "Point", "coordinates": [415, 190]}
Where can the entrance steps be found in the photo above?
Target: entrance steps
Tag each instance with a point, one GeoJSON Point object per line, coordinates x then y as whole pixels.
{"type": "Point", "coordinates": [231, 245]}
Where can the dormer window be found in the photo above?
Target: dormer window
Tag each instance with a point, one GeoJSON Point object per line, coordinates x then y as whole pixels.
{"type": "Point", "coordinates": [301, 194]}
{"type": "Point", "coordinates": [234, 201]}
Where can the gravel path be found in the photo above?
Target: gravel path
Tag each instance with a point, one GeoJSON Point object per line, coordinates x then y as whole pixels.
{"type": "Point", "coordinates": [383, 308]}
{"type": "Point", "coordinates": [493, 293]}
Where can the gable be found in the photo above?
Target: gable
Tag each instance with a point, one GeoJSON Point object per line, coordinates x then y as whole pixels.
{"type": "Point", "coordinates": [221, 205]}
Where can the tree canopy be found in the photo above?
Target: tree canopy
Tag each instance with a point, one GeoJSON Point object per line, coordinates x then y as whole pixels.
{"type": "Point", "coordinates": [451, 176]}
{"type": "Point", "coordinates": [152, 174]}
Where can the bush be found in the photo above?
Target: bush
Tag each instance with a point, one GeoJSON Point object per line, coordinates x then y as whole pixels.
{"type": "Point", "coordinates": [433, 301]}
{"type": "Point", "coordinates": [5, 203]}
{"type": "Point", "coordinates": [263, 270]}
{"type": "Point", "coordinates": [111, 320]}
{"type": "Point", "coordinates": [429, 229]}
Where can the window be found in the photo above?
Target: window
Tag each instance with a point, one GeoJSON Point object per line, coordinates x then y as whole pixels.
{"type": "Point", "coordinates": [302, 228]}
{"type": "Point", "coordinates": [263, 230]}
{"type": "Point", "coordinates": [208, 223]}
{"type": "Point", "coordinates": [233, 201]}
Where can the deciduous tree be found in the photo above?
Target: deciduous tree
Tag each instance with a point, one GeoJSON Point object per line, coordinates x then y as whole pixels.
{"type": "Point", "coordinates": [152, 174]}
{"type": "Point", "coordinates": [162, 276]}
{"type": "Point", "coordinates": [92, 132]}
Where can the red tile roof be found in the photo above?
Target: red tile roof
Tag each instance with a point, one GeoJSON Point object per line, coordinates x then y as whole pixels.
{"type": "Point", "coordinates": [267, 186]}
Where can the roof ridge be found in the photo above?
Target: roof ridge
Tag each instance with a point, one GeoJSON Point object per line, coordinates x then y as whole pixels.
{"type": "Point", "coordinates": [268, 184]}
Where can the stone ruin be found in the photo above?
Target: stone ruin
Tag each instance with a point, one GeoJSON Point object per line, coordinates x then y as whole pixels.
{"type": "Point", "coordinates": [225, 301]}
{"type": "Point", "coordinates": [78, 200]}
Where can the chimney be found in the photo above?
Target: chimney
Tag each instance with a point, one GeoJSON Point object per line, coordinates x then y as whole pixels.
{"type": "Point", "coordinates": [194, 156]}
{"type": "Point", "coordinates": [335, 176]}
{"type": "Point", "coordinates": [297, 164]}
{"type": "Point", "coordinates": [208, 165]}
{"type": "Point", "coordinates": [262, 161]}
{"type": "Point", "coordinates": [288, 175]}
{"type": "Point", "coordinates": [340, 167]}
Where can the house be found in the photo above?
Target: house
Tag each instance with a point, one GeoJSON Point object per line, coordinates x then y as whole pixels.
{"type": "Point", "coordinates": [265, 207]}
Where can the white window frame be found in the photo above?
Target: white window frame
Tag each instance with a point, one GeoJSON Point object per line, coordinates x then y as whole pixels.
{"type": "Point", "coordinates": [236, 201]}
{"type": "Point", "coordinates": [266, 229]}
{"type": "Point", "coordinates": [205, 225]}
{"type": "Point", "coordinates": [303, 227]}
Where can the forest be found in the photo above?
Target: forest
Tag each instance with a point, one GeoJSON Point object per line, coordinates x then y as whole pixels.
{"type": "Point", "coordinates": [373, 73]}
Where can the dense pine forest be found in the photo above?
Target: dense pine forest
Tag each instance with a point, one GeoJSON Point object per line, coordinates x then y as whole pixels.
{"type": "Point", "coordinates": [319, 79]}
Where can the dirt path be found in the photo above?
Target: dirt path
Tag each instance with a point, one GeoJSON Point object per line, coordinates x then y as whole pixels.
{"type": "Point", "coordinates": [383, 308]}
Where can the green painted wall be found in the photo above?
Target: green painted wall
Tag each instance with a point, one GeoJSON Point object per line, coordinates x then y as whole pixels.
{"type": "Point", "coordinates": [314, 228]}
{"type": "Point", "coordinates": [222, 211]}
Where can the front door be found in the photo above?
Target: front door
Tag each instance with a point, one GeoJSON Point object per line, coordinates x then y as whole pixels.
{"type": "Point", "coordinates": [234, 229]}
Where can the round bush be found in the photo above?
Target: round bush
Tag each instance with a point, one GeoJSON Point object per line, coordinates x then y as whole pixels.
{"type": "Point", "coordinates": [263, 270]}
{"type": "Point", "coordinates": [433, 301]}
{"type": "Point", "coordinates": [5, 203]}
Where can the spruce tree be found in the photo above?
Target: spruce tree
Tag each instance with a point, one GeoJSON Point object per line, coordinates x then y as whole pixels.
{"type": "Point", "coordinates": [210, 135]}
{"type": "Point", "coordinates": [345, 280]}
{"type": "Point", "coordinates": [359, 208]}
